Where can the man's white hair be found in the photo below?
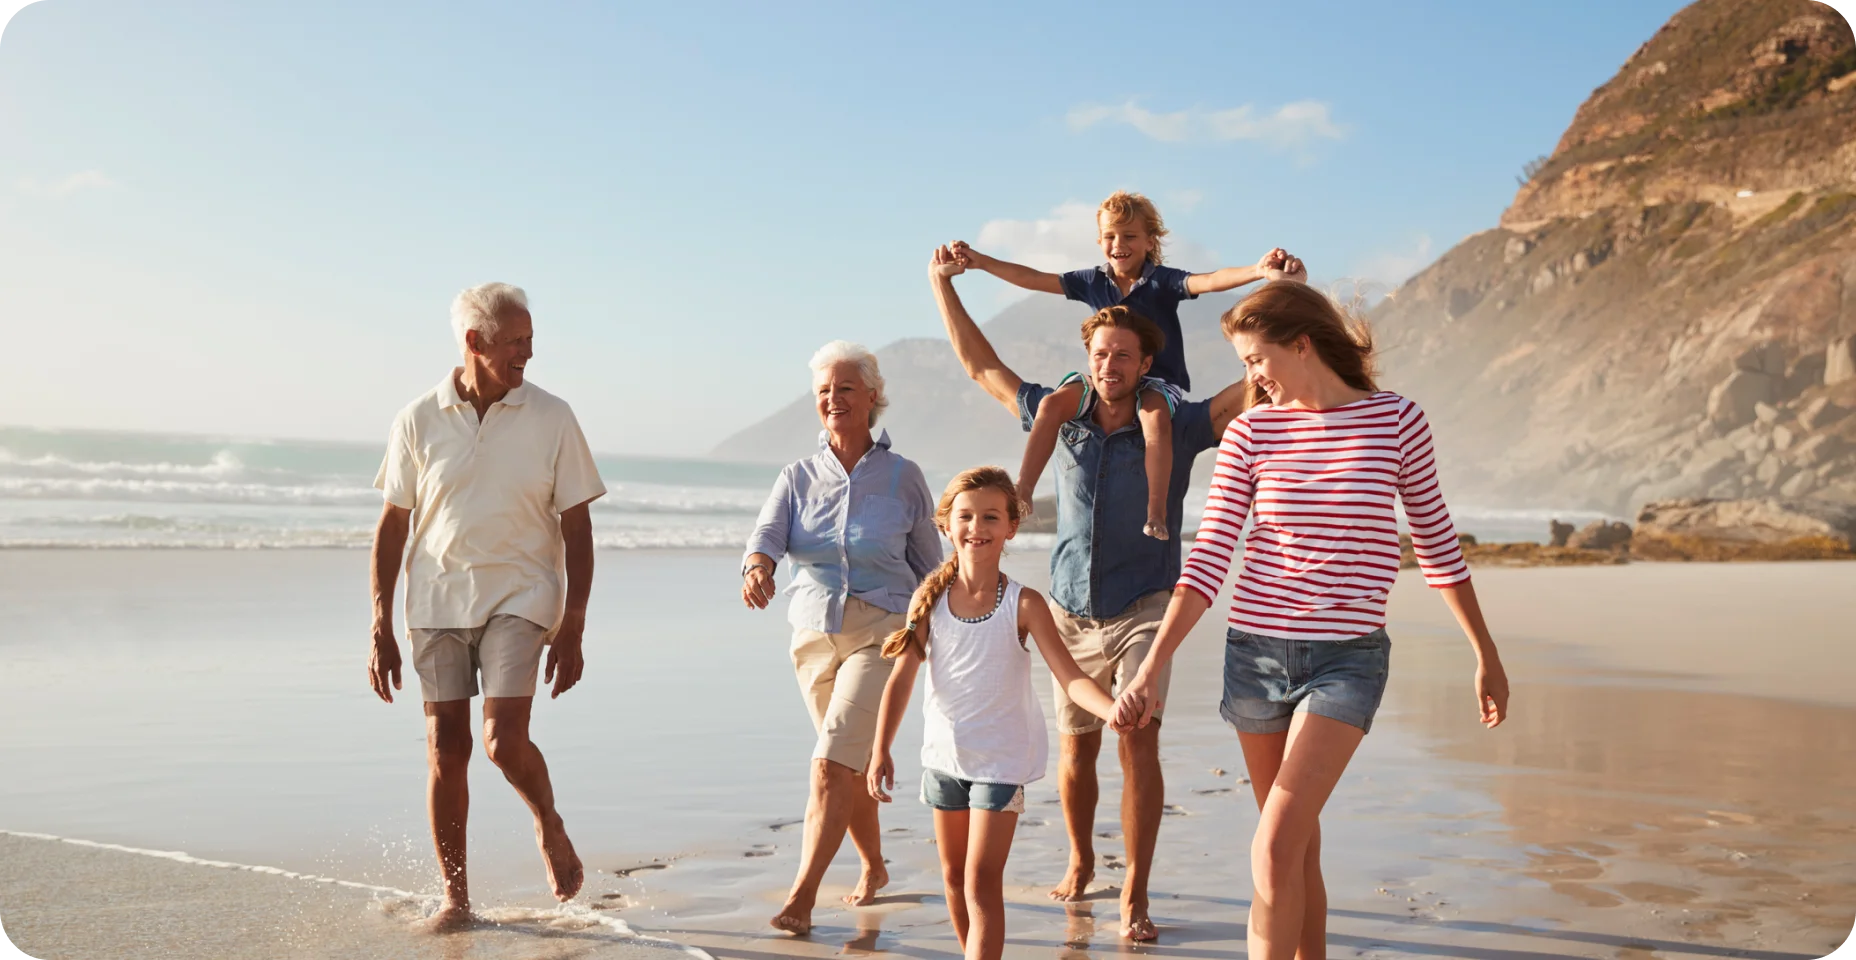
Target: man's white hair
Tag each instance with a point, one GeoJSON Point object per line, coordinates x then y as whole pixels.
{"type": "Point", "coordinates": [843, 351]}
{"type": "Point", "coordinates": [482, 307]}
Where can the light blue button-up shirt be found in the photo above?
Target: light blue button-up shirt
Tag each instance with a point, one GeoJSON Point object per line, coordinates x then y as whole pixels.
{"type": "Point", "coordinates": [868, 535]}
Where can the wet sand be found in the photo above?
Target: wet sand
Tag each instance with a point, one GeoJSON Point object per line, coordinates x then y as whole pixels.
{"type": "Point", "coordinates": [1676, 779]}
{"type": "Point", "coordinates": [1666, 787]}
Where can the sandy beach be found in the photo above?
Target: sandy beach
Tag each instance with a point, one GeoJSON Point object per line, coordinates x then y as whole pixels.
{"type": "Point", "coordinates": [1674, 781]}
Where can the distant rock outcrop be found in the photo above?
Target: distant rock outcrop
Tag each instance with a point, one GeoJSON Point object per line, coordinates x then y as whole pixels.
{"type": "Point", "coordinates": [1669, 306]}
{"type": "Point", "coordinates": [1699, 528]}
{"type": "Point", "coordinates": [942, 420]}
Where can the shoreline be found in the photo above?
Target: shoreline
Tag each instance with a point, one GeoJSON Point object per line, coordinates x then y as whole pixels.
{"type": "Point", "coordinates": [1555, 835]}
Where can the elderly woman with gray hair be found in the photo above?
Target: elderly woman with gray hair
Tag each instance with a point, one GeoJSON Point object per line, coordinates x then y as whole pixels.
{"type": "Point", "coordinates": [857, 522]}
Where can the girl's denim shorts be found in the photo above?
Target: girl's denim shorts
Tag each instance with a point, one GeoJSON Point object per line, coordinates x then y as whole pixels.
{"type": "Point", "coordinates": [943, 792]}
{"type": "Point", "coordinates": [1267, 679]}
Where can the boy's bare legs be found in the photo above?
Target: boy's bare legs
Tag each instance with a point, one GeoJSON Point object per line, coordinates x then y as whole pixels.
{"type": "Point", "coordinates": [447, 800]}
{"type": "Point", "coordinates": [1157, 431]}
{"type": "Point", "coordinates": [1060, 405]}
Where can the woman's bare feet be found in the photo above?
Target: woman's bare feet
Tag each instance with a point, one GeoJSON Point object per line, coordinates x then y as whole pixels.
{"type": "Point", "coordinates": [794, 918]}
{"type": "Point", "coordinates": [565, 874]}
{"type": "Point", "coordinates": [451, 917]}
{"type": "Point", "coordinates": [1075, 881]}
{"type": "Point", "coordinates": [876, 877]}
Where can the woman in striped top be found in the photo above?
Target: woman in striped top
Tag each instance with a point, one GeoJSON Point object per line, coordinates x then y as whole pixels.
{"type": "Point", "coordinates": [1315, 463]}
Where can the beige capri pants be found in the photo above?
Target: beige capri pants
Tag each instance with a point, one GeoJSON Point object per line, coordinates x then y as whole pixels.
{"type": "Point", "coordinates": [842, 676]}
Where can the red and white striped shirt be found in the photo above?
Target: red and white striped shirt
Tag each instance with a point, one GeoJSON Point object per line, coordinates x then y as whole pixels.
{"type": "Point", "coordinates": [1323, 553]}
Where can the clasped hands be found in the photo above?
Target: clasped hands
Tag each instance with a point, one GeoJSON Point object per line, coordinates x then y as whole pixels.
{"type": "Point", "coordinates": [1136, 706]}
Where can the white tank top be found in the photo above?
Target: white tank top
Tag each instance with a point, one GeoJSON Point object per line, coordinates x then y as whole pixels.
{"type": "Point", "coordinates": [982, 720]}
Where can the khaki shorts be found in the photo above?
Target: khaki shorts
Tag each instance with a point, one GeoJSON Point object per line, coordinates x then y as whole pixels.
{"type": "Point", "coordinates": [841, 676]}
{"type": "Point", "coordinates": [1110, 652]}
{"type": "Point", "coordinates": [507, 651]}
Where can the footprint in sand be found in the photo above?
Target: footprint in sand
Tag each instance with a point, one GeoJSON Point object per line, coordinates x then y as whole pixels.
{"type": "Point", "coordinates": [628, 871]}
{"type": "Point", "coordinates": [1173, 810]}
{"type": "Point", "coordinates": [779, 825]}
{"type": "Point", "coordinates": [759, 850]}
{"type": "Point", "coordinates": [1203, 791]}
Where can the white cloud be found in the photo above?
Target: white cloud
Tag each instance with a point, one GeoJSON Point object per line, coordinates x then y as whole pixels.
{"type": "Point", "coordinates": [1291, 125]}
{"type": "Point", "coordinates": [1394, 267]}
{"type": "Point", "coordinates": [76, 182]}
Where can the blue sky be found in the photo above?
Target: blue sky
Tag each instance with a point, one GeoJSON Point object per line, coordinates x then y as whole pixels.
{"type": "Point", "coordinates": [249, 218]}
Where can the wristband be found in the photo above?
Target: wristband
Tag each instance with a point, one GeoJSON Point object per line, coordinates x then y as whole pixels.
{"type": "Point", "coordinates": [755, 566]}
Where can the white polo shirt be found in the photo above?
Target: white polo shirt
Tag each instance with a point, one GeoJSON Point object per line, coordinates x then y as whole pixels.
{"type": "Point", "coordinates": [486, 500]}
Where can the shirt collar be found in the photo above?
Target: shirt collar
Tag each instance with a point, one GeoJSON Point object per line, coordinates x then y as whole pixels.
{"type": "Point", "coordinates": [1108, 272]}
{"type": "Point", "coordinates": [448, 393]}
{"type": "Point", "coordinates": [824, 439]}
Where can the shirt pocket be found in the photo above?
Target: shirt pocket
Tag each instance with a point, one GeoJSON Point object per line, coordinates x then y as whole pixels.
{"type": "Point", "coordinates": [879, 527]}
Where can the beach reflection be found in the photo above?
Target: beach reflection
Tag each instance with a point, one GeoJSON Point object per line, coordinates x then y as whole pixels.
{"type": "Point", "coordinates": [1703, 815]}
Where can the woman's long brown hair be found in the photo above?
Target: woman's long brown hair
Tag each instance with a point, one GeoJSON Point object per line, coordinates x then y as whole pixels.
{"type": "Point", "coordinates": [938, 579]}
{"type": "Point", "coordinates": [1285, 310]}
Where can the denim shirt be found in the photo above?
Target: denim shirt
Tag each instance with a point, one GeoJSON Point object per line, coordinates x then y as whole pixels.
{"type": "Point", "coordinates": [1102, 562]}
{"type": "Point", "coordinates": [1156, 296]}
{"type": "Point", "coordinates": [869, 535]}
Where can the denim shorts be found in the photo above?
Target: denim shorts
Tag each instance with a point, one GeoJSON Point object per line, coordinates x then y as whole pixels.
{"type": "Point", "coordinates": [1267, 679]}
{"type": "Point", "coordinates": [943, 792]}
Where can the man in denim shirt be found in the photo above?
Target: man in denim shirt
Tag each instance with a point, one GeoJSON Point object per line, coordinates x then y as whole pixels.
{"type": "Point", "coordinates": [1110, 583]}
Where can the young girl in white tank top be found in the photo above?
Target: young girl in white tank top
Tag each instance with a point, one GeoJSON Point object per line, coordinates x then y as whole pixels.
{"type": "Point", "coordinates": [985, 736]}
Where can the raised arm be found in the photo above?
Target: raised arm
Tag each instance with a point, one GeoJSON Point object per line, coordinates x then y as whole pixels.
{"type": "Point", "coordinates": [1016, 274]}
{"type": "Point", "coordinates": [1034, 616]}
{"type": "Point", "coordinates": [1273, 265]}
{"type": "Point", "coordinates": [976, 354]}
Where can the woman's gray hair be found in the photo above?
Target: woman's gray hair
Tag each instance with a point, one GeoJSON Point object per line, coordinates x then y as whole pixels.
{"type": "Point", "coordinates": [482, 307]}
{"type": "Point", "coordinates": [844, 351]}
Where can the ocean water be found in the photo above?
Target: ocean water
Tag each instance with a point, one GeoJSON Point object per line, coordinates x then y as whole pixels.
{"type": "Point", "coordinates": [80, 488]}
{"type": "Point", "coordinates": [68, 488]}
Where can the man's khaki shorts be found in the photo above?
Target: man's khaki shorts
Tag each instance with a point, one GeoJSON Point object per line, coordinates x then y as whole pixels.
{"type": "Point", "coordinates": [1110, 652]}
{"type": "Point", "coordinates": [841, 676]}
{"type": "Point", "coordinates": [506, 650]}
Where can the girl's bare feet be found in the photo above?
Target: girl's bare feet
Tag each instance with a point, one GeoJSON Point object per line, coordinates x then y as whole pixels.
{"type": "Point", "coordinates": [1140, 930]}
{"type": "Point", "coordinates": [876, 877]}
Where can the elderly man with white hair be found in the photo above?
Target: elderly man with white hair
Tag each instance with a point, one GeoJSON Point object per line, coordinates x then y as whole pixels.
{"type": "Point", "coordinates": [857, 522]}
{"type": "Point", "coordinates": [488, 477]}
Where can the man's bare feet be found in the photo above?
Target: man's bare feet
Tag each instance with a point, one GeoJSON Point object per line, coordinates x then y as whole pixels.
{"type": "Point", "coordinates": [794, 918]}
{"type": "Point", "coordinates": [565, 874]}
{"type": "Point", "coordinates": [450, 918]}
{"type": "Point", "coordinates": [876, 877]}
{"type": "Point", "coordinates": [1136, 925]}
{"type": "Point", "coordinates": [1075, 881]}
{"type": "Point", "coordinates": [1155, 528]}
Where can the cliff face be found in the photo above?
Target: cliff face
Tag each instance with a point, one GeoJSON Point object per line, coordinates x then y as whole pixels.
{"type": "Point", "coordinates": [1667, 307]}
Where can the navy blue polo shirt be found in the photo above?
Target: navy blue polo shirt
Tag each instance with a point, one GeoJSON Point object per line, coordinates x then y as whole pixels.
{"type": "Point", "coordinates": [1155, 296]}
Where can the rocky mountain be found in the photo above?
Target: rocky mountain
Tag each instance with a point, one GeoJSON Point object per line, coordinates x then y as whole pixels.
{"type": "Point", "coordinates": [1667, 308]}
{"type": "Point", "coordinates": [942, 420]}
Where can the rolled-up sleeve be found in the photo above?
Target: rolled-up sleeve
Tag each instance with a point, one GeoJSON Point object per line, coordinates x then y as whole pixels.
{"type": "Point", "coordinates": [924, 547]}
{"type": "Point", "coordinates": [775, 522]}
{"type": "Point", "coordinates": [398, 479]}
{"type": "Point", "coordinates": [1029, 396]}
{"type": "Point", "coordinates": [576, 476]}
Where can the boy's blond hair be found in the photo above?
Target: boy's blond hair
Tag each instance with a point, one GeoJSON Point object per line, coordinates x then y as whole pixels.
{"type": "Point", "coordinates": [1122, 207]}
